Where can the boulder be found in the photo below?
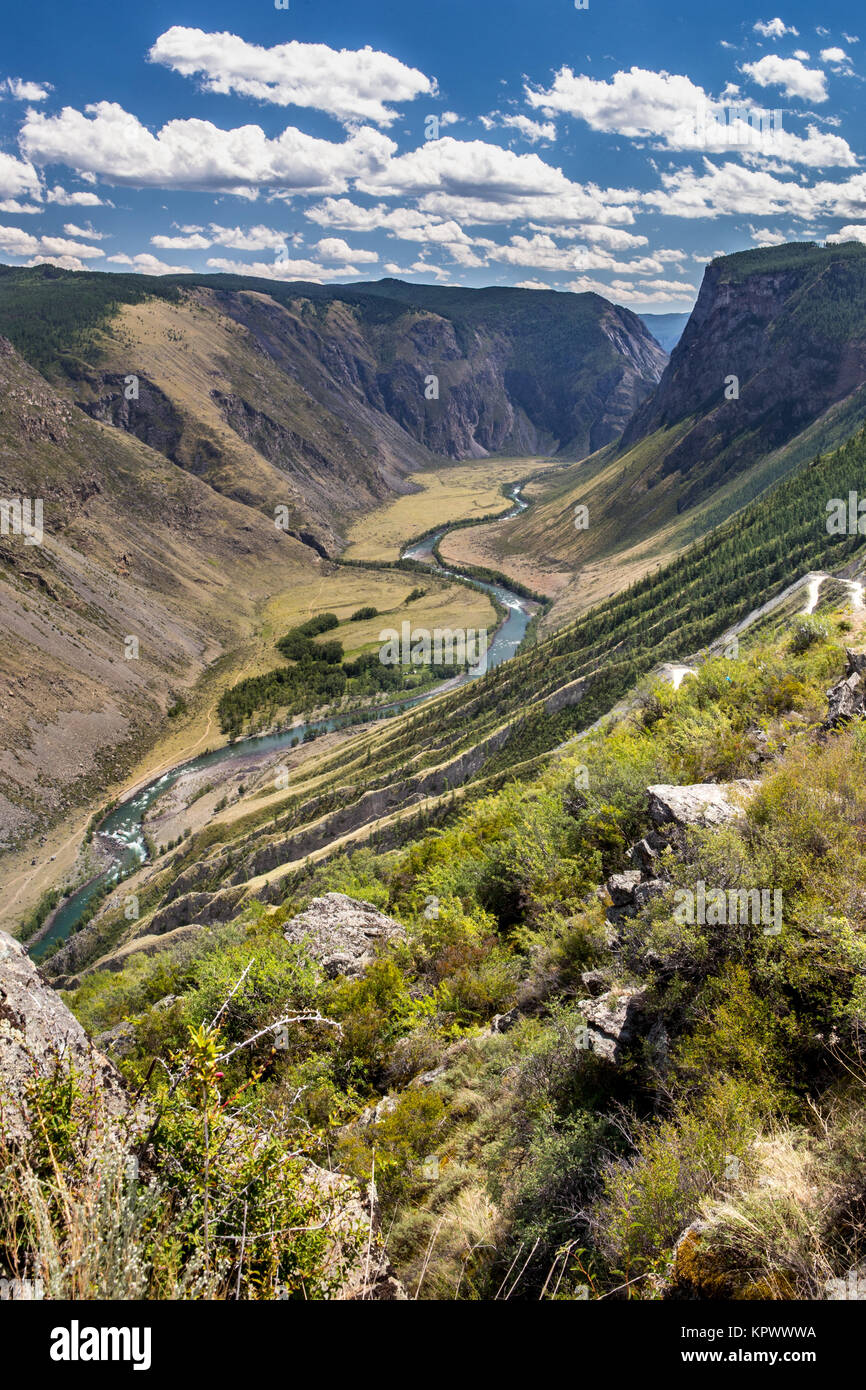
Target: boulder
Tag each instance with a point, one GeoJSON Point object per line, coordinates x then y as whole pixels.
{"type": "Point", "coordinates": [761, 751]}
{"type": "Point", "coordinates": [37, 1032]}
{"type": "Point", "coordinates": [629, 892]}
{"type": "Point", "coordinates": [649, 888]}
{"type": "Point", "coordinates": [700, 803]}
{"type": "Point", "coordinates": [500, 1023]}
{"type": "Point", "coordinates": [167, 1001]}
{"type": "Point", "coordinates": [117, 1041]}
{"type": "Point", "coordinates": [374, 1114]}
{"type": "Point", "coordinates": [621, 887]}
{"type": "Point", "coordinates": [847, 698]}
{"type": "Point", "coordinates": [613, 1021]}
{"type": "Point", "coordinates": [364, 1274]}
{"type": "Point", "coordinates": [644, 855]}
{"type": "Point", "coordinates": [342, 934]}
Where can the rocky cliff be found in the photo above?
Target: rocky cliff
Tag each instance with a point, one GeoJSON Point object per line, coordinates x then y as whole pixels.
{"type": "Point", "coordinates": [341, 389]}
{"type": "Point", "coordinates": [770, 371]}
{"type": "Point", "coordinates": [775, 339]}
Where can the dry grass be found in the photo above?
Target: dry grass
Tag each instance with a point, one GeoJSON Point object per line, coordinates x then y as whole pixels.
{"type": "Point", "coordinates": [457, 493]}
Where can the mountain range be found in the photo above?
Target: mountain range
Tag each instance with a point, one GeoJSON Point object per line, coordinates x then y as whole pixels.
{"type": "Point", "coordinates": [176, 419]}
{"type": "Point", "coordinates": [168, 421]}
{"type": "Point", "coordinates": [439, 948]}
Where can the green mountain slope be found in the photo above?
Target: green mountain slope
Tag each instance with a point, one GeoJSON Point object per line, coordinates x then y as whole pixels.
{"type": "Point", "coordinates": [561, 1083]}
{"type": "Point", "coordinates": [386, 784]}
{"type": "Point", "coordinates": [134, 547]}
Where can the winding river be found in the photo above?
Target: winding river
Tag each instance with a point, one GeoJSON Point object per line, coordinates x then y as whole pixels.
{"type": "Point", "coordinates": [122, 829]}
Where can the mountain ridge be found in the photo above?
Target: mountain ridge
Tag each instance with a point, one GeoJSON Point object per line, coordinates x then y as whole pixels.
{"type": "Point", "coordinates": [782, 331]}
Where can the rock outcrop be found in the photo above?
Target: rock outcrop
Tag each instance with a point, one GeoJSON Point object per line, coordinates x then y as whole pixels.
{"type": "Point", "coordinates": [846, 699]}
{"type": "Point", "coordinates": [700, 803]}
{"type": "Point", "coordinates": [37, 1033]}
{"type": "Point", "coordinates": [613, 1021]}
{"type": "Point", "coordinates": [751, 312]}
{"type": "Point", "coordinates": [342, 934]}
{"type": "Point", "coordinates": [367, 1275]}
{"type": "Point", "coordinates": [193, 908]}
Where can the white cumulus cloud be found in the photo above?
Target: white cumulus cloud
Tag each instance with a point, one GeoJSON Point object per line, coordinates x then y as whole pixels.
{"type": "Point", "coordinates": [349, 84]}
{"type": "Point", "coordinates": [834, 55]}
{"type": "Point", "coordinates": [669, 107]}
{"type": "Point", "coordinates": [530, 130]}
{"type": "Point", "coordinates": [16, 242]}
{"type": "Point", "coordinates": [851, 233]}
{"type": "Point", "coordinates": [72, 200]}
{"type": "Point", "coordinates": [148, 264]}
{"type": "Point", "coordinates": [20, 90]}
{"type": "Point", "coordinates": [774, 28]}
{"type": "Point", "coordinates": [795, 79]}
{"type": "Point", "coordinates": [114, 145]}
{"type": "Point", "coordinates": [17, 177]}
{"type": "Point", "coordinates": [334, 248]}
{"type": "Point", "coordinates": [283, 270]}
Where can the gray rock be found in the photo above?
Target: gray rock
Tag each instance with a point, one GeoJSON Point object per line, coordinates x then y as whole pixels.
{"type": "Point", "coordinates": [342, 934]}
{"type": "Point", "coordinates": [363, 1273]}
{"type": "Point", "coordinates": [500, 1023]}
{"type": "Point", "coordinates": [847, 698]}
{"type": "Point", "coordinates": [198, 908]}
{"type": "Point", "coordinates": [374, 1114]}
{"type": "Point", "coordinates": [37, 1032]}
{"type": "Point", "coordinates": [643, 855]}
{"type": "Point", "coordinates": [427, 1078]}
{"type": "Point", "coordinates": [621, 887]}
{"type": "Point", "coordinates": [658, 1041]}
{"type": "Point", "coordinates": [613, 1021]}
{"type": "Point", "coordinates": [166, 1001]}
{"type": "Point", "coordinates": [649, 888]}
{"type": "Point", "coordinates": [701, 803]}
{"type": "Point", "coordinates": [117, 1041]}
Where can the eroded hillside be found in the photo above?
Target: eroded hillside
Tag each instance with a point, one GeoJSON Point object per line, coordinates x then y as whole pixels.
{"type": "Point", "coordinates": [143, 576]}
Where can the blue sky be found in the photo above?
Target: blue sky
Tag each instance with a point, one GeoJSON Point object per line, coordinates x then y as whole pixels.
{"type": "Point", "coordinates": [614, 148]}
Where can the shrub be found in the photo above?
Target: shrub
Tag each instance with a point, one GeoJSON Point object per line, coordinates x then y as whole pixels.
{"type": "Point", "coordinates": [75, 1213]}
{"type": "Point", "coordinates": [806, 631]}
{"type": "Point", "coordinates": [650, 1198]}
